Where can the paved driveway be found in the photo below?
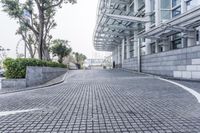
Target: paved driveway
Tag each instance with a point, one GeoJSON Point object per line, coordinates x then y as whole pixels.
{"type": "Point", "coordinates": [102, 101]}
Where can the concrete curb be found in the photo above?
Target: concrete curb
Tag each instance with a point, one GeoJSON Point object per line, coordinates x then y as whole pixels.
{"type": "Point", "coordinates": [48, 84]}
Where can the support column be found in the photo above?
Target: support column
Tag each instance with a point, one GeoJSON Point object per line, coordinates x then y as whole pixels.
{"type": "Point", "coordinates": [183, 41]}
{"type": "Point", "coordinates": [128, 47]}
{"type": "Point", "coordinates": [199, 35]}
{"type": "Point", "coordinates": [157, 12]}
{"type": "Point", "coordinates": [147, 26]}
{"type": "Point", "coordinates": [191, 41]}
{"type": "Point", "coordinates": [139, 54]}
{"type": "Point", "coordinates": [115, 56]}
{"type": "Point", "coordinates": [135, 6]}
{"type": "Point", "coordinates": [135, 43]}
{"type": "Point", "coordinates": [123, 44]}
{"type": "Point", "coordinates": [166, 45]}
{"type": "Point", "coordinates": [183, 6]}
{"type": "Point", "coordinates": [156, 47]}
{"type": "Point", "coordinates": [118, 55]}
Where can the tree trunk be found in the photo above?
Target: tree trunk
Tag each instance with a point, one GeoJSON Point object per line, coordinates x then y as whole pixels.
{"type": "Point", "coordinates": [41, 33]}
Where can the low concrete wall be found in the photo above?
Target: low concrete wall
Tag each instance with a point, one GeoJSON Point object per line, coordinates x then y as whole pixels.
{"type": "Point", "coordinates": [181, 63]}
{"type": "Point", "coordinates": [34, 76]}
{"type": "Point", "coordinates": [13, 83]}
{"type": "Point", "coordinates": [39, 75]}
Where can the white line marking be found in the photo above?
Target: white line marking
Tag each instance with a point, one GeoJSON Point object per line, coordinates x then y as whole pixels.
{"type": "Point", "coordinates": [194, 93]}
{"type": "Point", "coordinates": [16, 112]}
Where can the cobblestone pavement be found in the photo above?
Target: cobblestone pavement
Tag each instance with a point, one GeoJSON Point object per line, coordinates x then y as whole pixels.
{"type": "Point", "coordinates": [103, 101]}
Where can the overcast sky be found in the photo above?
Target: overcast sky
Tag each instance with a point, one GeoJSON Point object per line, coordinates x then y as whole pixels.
{"type": "Point", "coordinates": [75, 23]}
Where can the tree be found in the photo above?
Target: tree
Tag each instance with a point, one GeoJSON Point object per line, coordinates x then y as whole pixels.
{"type": "Point", "coordinates": [80, 58]}
{"type": "Point", "coordinates": [38, 17]}
{"type": "Point", "coordinates": [60, 49]}
{"type": "Point", "coordinates": [29, 40]}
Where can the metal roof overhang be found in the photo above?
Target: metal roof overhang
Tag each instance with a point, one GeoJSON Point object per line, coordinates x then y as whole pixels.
{"type": "Point", "coordinates": [113, 24]}
{"type": "Point", "coordinates": [182, 23]}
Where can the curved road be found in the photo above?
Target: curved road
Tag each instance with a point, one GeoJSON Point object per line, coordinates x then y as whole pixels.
{"type": "Point", "coordinates": [102, 101]}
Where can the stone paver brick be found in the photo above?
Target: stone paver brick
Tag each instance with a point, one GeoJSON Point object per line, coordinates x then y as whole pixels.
{"type": "Point", "coordinates": [101, 101]}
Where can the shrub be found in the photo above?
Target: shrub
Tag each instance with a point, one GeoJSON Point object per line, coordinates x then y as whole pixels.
{"type": "Point", "coordinates": [16, 68]}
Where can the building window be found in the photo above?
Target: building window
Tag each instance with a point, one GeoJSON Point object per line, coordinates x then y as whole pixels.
{"type": "Point", "coordinates": [152, 15]}
{"type": "Point", "coordinates": [160, 48]}
{"type": "Point", "coordinates": [176, 12]}
{"type": "Point", "coordinates": [176, 3]}
{"type": "Point", "coordinates": [165, 4]}
{"type": "Point", "coordinates": [165, 10]}
{"type": "Point", "coordinates": [192, 3]}
{"type": "Point", "coordinates": [176, 41]}
{"type": "Point", "coordinates": [197, 36]}
{"type": "Point", "coordinates": [140, 4]}
{"type": "Point", "coordinates": [165, 15]}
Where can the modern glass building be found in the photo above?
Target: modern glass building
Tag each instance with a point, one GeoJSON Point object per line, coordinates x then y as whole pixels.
{"type": "Point", "coordinates": [154, 36]}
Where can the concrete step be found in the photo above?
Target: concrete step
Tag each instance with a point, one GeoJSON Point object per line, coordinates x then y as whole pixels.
{"type": "Point", "coordinates": [187, 74]}
{"type": "Point", "coordinates": [195, 61]}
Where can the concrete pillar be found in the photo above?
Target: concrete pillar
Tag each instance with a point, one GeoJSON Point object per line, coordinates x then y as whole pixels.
{"type": "Point", "coordinates": [135, 6]}
{"type": "Point", "coordinates": [191, 41]}
{"type": "Point", "coordinates": [157, 12]}
{"type": "Point", "coordinates": [128, 47]}
{"type": "Point", "coordinates": [135, 44]}
{"type": "Point", "coordinates": [166, 45]}
{"type": "Point", "coordinates": [183, 41]}
{"type": "Point", "coordinates": [122, 49]}
{"type": "Point", "coordinates": [199, 35]}
{"type": "Point", "coordinates": [118, 55]}
{"type": "Point", "coordinates": [183, 6]}
{"type": "Point", "coordinates": [115, 56]}
{"type": "Point", "coordinates": [147, 26]}
{"type": "Point", "coordinates": [156, 47]}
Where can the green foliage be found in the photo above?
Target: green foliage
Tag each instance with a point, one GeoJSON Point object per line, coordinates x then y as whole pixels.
{"type": "Point", "coordinates": [80, 58]}
{"type": "Point", "coordinates": [36, 17]}
{"type": "Point", "coordinates": [61, 49]}
{"type": "Point", "coordinates": [16, 68]}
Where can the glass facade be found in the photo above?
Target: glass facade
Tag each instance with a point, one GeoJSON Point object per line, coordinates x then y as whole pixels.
{"type": "Point", "coordinates": [176, 3]}
{"type": "Point", "coordinates": [165, 15]}
{"type": "Point", "coordinates": [176, 11]}
{"type": "Point", "coordinates": [192, 3]}
{"type": "Point", "coordinates": [176, 42]}
{"type": "Point", "coordinates": [165, 10]}
{"type": "Point", "coordinates": [165, 4]}
{"type": "Point", "coordinates": [152, 15]}
{"type": "Point", "coordinates": [140, 4]}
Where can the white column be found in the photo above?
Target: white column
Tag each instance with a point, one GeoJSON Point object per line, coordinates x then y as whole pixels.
{"type": "Point", "coordinates": [115, 56]}
{"type": "Point", "coordinates": [156, 47]}
{"type": "Point", "coordinates": [135, 6]}
{"type": "Point", "coordinates": [183, 6]}
{"type": "Point", "coordinates": [135, 43]}
{"type": "Point", "coordinates": [118, 55]}
{"type": "Point", "coordinates": [157, 12]}
{"type": "Point", "coordinates": [166, 45]}
{"type": "Point", "coordinates": [147, 26]}
{"type": "Point", "coordinates": [128, 47]}
{"type": "Point", "coordinates": [191, 41]}
{"type": "Point", "coordinates": [122, 49]}
{"type": "Point", "coordinates": [199, 35]}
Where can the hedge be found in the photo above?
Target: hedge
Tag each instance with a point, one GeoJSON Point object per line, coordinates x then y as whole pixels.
{"type": "Point", "coordinates": [16, 68]}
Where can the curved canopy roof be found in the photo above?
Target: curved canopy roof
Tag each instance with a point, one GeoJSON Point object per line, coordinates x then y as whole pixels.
{"type": "Point", "coordinates": [115, 20]}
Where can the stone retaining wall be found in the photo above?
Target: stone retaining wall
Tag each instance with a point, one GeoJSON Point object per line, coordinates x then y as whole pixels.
{"type": "Point", "coordinates": [39, 75]}
{"type": "Point", "coordinates": [181, 63]}
{"type": "Point", "coordinates": [34, 76]}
